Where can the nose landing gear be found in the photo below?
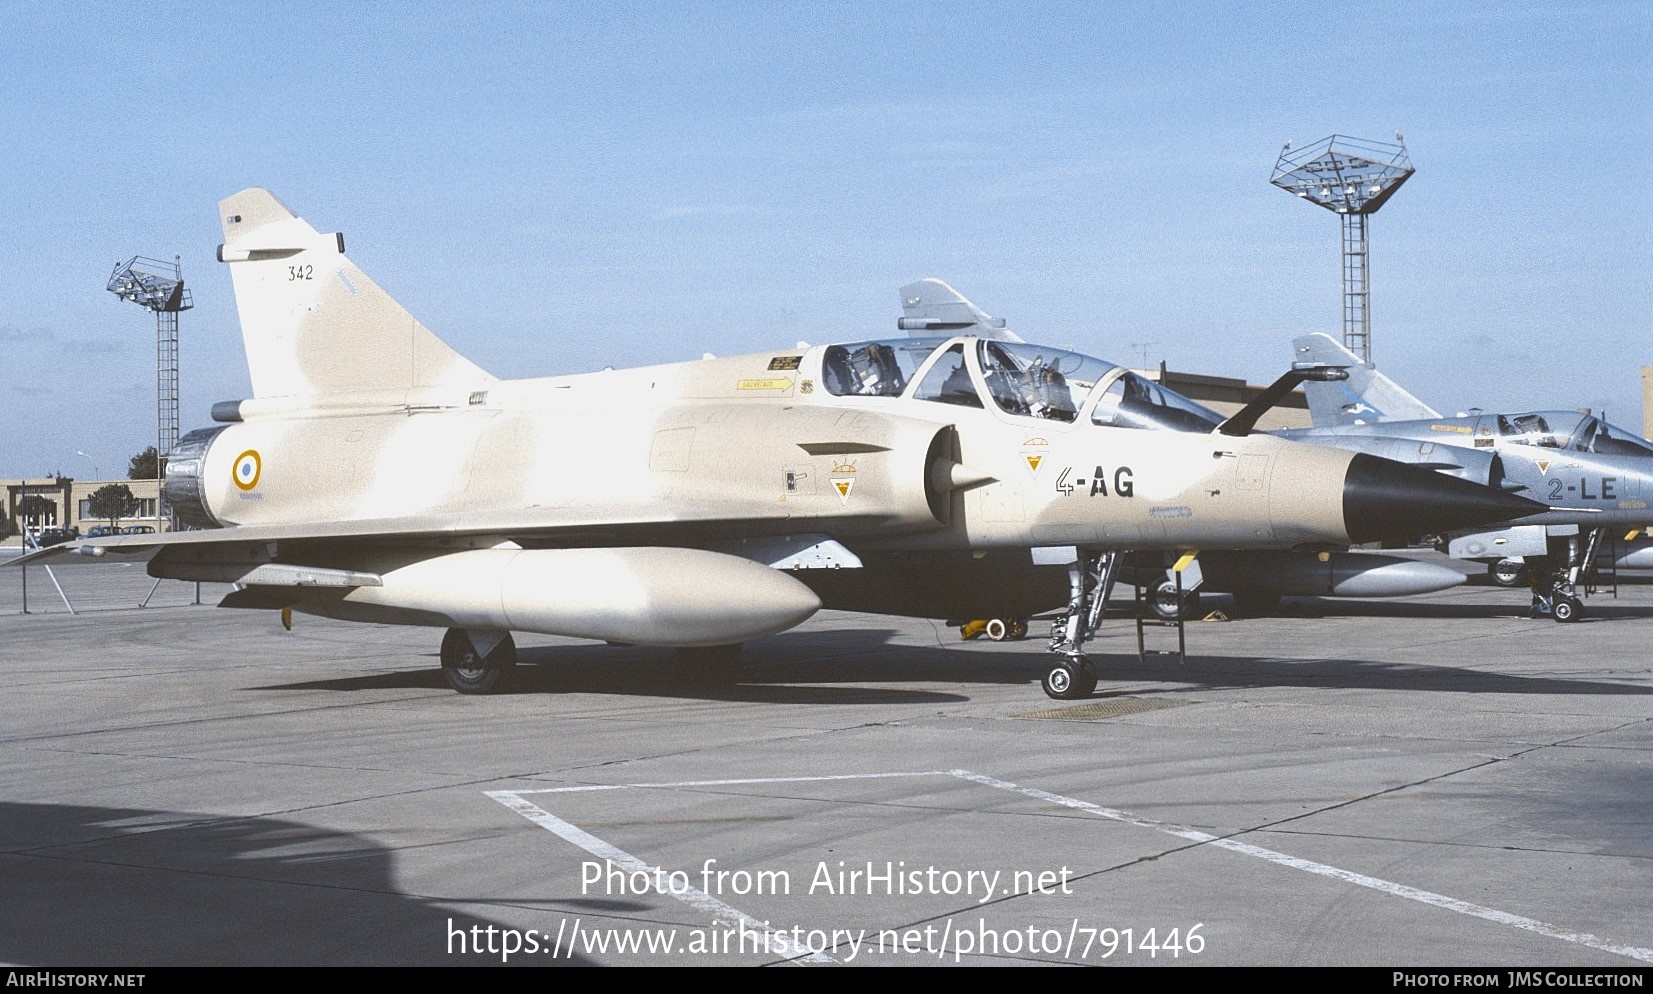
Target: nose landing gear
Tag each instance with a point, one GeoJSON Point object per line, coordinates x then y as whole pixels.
{"type": "Point", "coordinates": [1090, 581]}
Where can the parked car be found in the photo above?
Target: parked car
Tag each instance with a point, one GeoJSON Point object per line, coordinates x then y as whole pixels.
{"type": "Point", "coordinates": [102, 531]}
{"type": "Point", "coordinates": [138, 530]}
{"type": "Point", "coordinates": [55, 536]}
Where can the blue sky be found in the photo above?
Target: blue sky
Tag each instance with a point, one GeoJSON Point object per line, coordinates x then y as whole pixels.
{"type": "Point", "coordinates": [559, 187]}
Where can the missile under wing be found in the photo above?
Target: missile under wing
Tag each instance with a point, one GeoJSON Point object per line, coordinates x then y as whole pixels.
{"type": "Point", "coordinates": [377, 475]}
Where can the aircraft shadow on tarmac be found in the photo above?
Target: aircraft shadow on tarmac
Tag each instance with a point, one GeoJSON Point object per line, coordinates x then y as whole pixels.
{"type": "Point", "coordinates": [1624, 579]}
{"type": "Point", "coordinates": [1241, 672]}
{"type": "Point", "coordinates": [772, 671]}
{"type": "Point", "coordinates": [88, 886]}
{"type": "Point", "coordinates": [1601, 607]}
{"type": "Point", "coordinates": [861, 666]}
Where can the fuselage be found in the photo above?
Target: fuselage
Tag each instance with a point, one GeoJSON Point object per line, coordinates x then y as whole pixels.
{"type": "Point", "coordinates": [377, 475]}
{"type": "Point", "coordinates": [939, 443]}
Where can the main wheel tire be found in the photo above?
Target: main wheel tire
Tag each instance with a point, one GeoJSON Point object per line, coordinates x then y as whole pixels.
{"type": "Point", "coordinates": [1165, 605]}
{"type": "Point", "coordinates": [997, 629]}
{"type": "Point", "coordinates": [1508, 573]}
{"type": "Point", "coordinates": [470, 672]}
{"type": "Point", "coordinates": [1164, 601]}
{"type": "Point", "coordinates": [1566, 609]}
{"type": "Point", "coordinates": [1018, 628]}
{"type": "Point", "coordinates": [1067, 681]}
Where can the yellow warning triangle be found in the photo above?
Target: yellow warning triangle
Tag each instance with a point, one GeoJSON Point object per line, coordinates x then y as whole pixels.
{"type": "Point", "coordinates": [1543, 467]}
{"type": "Point", "coordinates": [1033, 460]}
{"type": "Point", "coordinates": [843, 487]}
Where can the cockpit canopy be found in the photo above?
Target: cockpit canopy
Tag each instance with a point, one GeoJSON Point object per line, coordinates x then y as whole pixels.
{"type": "Point", "coordinates": [875, 369]}
{"type": "Point", "coordinates": [1570, 430]}
{"type": "Point", "coordinates": [1018, 378]}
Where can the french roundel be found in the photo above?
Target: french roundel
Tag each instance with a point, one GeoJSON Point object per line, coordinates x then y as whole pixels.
{"type": "Point", "coordinates": [246, 470]}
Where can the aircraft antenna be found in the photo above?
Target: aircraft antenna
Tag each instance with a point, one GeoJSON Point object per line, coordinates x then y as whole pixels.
{"type": "Point", "coordinates": [1351, 177]}
{"type": "Point", "coordinates": [1143, 347]}
{"type": "Point", "coordinates": [159, 287]}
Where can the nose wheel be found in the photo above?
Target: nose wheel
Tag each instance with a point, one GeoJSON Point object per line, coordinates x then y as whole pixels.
{"type": "Point", "coordinates": [1070, 679]}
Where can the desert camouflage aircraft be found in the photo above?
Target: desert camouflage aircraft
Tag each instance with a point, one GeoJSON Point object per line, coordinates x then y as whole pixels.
{"type": "Point", "coordinates": [377, 475]}
{"type": "Point", "coordinates": [1255, 579]}
{"type": "Point", "coordinates": [1596, 478]}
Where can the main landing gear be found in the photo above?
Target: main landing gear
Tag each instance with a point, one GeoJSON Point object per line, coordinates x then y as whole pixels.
{"type": "Point", "coordinates": [1090, 581]}
{"type": "Point", "coordinates": [1170, 602]}
{"type": "Point", "coordinates": [478, 662]}
{"type": "Point", "coordinates": [1508, 573]}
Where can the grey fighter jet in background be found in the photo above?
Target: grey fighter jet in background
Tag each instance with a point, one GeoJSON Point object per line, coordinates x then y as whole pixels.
{"type": "Point", "coordinates": [377, 475]}
{"type": "Point", "coordinates": [1596, 478]}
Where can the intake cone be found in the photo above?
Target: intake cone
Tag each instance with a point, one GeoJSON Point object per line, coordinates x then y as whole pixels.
{"type": "Point", "coordinates": [1384, 499]}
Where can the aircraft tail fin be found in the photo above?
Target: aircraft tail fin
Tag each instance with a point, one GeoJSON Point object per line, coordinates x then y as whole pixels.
{"type": "Point", "coordinates": [314, 324]}
{"type": "Point", "coordinates": [1366, 396]}
{"type": "Point", "coordinates": [931, 307]}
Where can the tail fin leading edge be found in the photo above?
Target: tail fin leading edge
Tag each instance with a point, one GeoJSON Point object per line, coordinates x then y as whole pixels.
{"type": "Point", "coordinates": [313, 323]}
{"type": "Point", "coordinates": [1366, 396]}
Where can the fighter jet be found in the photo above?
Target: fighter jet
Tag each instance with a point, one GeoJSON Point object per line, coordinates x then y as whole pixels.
{"type": "Point", "coordinates": [377, 475]}
{"type": "Point", "coordinates": [1596, 478]}
{"type": "Point", "coordinates": [1256, 580]}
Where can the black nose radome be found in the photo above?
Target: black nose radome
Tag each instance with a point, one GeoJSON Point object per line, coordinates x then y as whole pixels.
{"type": "Point", "coordinates": [1384, 499]}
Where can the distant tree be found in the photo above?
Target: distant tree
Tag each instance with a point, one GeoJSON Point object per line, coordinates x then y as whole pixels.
{"type": "Point", "coordinates": [113, 501]}
{"type": "Point", "coordinates": [37, 511]}
{"type": "Point", "coordinates": [142, 465]}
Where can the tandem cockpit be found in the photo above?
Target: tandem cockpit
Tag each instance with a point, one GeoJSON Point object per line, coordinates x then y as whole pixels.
{"type": "Point", "coordinates": [1018, 379]}
{"type": "Point", "coordinates": [1563, 430]}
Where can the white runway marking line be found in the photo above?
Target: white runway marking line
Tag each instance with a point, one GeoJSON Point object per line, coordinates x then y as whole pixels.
{"type": "Point", "coordinates": [597, 847]}
{"type": "Point", "coordinates": [729, 783]}
{"type": "Point", "coordinates": [1322, 869]}
{"type": "Point", "coordinates": [694, 897]}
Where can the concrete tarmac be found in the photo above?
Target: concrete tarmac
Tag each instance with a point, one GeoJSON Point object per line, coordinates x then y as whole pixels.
{"type": "Point", "coordinates": [1433, 781]}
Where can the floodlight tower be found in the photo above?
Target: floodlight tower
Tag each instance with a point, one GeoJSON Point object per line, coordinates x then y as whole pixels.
{"type": "Point", "coordinates": [159, 287]}
{"type": "Point", "coordinates": [1351, 177]}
